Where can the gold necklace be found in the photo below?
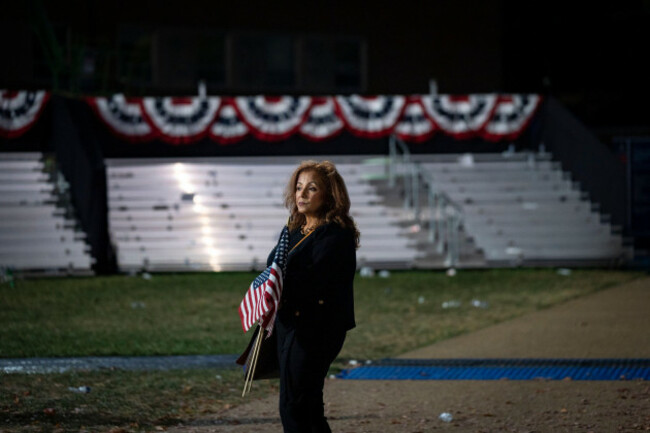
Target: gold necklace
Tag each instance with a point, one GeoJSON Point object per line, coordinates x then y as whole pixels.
{"type": "Point", "coordinates": [305, 231]}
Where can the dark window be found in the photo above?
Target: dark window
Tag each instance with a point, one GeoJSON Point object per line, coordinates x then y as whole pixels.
{"type": "Point", "coordinates": [134, 66]}
{"type": "Point", "coordinates": [347, 74]}
{"type": "Point", "coordinates": [183, 57]}
{"type": "Point", "coordinates": [332, 64]}
{"type": "Point", "coordinates": [263, 62]}
{"type": "Point", "coordinates": [17, 69]}
{"type": "Point", "coordinates": [211, 50]}
{"type": "Point", "coordinates": [172, 59]}
{"type": "Point", "coordinates": [52, 56]}
{"type": "Point", "coordinates": [176, 59]}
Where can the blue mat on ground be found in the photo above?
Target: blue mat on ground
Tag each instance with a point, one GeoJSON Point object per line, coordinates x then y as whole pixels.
{"type": "Point", "coordinates": [501, 369]}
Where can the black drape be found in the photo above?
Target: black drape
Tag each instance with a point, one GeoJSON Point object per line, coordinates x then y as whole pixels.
{"type": "Point", "coordinates": [590, 162]}
{"type": "Point", "coordinates": [80, 159]}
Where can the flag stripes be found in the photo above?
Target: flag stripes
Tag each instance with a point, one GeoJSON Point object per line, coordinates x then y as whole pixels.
{"type": "Point", "coordinates": [260, 304]}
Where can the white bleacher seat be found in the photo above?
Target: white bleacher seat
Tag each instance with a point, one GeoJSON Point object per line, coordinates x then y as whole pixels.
{"type": "Point", "coordinates": [35, 234]}
{"type": "Point", "coordinates": [206, 215]}
{"type": "Point", "coordinates": [16, 165]}
{"type": "Point", "coordinates": [48, 262]}
{"type": "Point", "coordinates": [519, 207]}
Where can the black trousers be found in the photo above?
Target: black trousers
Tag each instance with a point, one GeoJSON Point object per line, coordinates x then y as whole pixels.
{"type": "Point", "coordinates": [305, 356]}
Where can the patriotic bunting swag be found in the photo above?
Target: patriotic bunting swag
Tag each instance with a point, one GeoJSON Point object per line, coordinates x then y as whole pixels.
{"type": "Point", "coordinates": [260, 304]}
{"type": "Point", "coordinates": [414, 125]}
{"type": "Point", "coordinates": [228, 127]}
{"type": "Point", "coordinates": [370, 117]}
{"type": "Point", "coordinates": [227, 120]}
{"type": "Point", "coordinates": [272, 119]}
{"type": "Point", "coordinates": [414, 118]}
{"type": "Point", "coordinates": [19, 111]}
{"type": "Point", "coordinates": [512, 115]}
{"type": "Point", "coordinates": [181, 120]}
{"type": "Point", "coordinates": [125, 118]}
{"type": "Point", "coordinates": [322, 122]}
{"type": "Point", "coordinates": [460, 116]}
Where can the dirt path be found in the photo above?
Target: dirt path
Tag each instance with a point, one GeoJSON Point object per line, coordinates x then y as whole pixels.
{"type": "Point", "coordinates": [610, 324]}
{"type": "Point", "coordinates": [613, 323]}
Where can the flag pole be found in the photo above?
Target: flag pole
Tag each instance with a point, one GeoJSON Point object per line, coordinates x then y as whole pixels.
{"type": "Point", "coordinates": [248, 382]}
{"type": "Point", "coordinates": [248, 372]}
{"type": "Point", "coordinates": [251, 366]}
{"type": "Point", "coordinates": [256, 357]}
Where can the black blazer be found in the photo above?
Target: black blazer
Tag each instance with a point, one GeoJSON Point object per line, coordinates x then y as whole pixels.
{"type": "Point", "coordinates": [318, 286]}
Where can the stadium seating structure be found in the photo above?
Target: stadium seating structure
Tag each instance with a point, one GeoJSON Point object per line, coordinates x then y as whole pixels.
{"type": "Point", "coordinates": [213, 214]}
{"type": "Point", "coordinates": [38, 230]}
{"type": "Point", "coordinates": [227, 215]}
{"type": "Point", "coordinates": [522, 208]}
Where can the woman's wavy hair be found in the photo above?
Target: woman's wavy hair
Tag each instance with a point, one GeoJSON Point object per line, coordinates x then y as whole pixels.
{"type": "Point", "coordinates": [336, 206]}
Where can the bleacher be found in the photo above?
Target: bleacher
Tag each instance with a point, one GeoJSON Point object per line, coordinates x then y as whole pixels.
{"type": "Point", "coordinates": [521, 208]}
{"type": "Point", "coordinates": [37, 233]}
{"type": "Point", "coordinates": [227, 214]}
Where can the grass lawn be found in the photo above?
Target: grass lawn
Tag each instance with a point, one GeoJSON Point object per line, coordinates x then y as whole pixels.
{"type": "Point", "coordinates": [197, 314]}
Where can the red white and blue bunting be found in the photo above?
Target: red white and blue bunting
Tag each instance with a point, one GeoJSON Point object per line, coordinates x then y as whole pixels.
{"type": "Point", "coordinates": [511, 115]}
{"type": "Point", "coordinates": [322, 122]}
{"type": "Point", "coordinates": [228, 127]}
{"type": "Point", "coordinates": [460, 116]}
{"type": "Point", "coordinates": [19, 110]}
{"type": "Point", "coordinates": [414, 125]}
{"type": "Point", "coordinates": [413, 118]}
{"type": "Point", "coordinates": [370, 117]}
{"type": "Point", "coordinates": [227, 120]}
{"type": "Point", "coordinates": [273, 119]}
{"type": "Point", "coordinates": [124, 117]}
{"type": "Point", "coordinates": [181, 120]}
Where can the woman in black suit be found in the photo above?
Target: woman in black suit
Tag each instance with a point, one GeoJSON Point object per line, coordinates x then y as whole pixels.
{"type": "Point", "coordinates": [317, 306]}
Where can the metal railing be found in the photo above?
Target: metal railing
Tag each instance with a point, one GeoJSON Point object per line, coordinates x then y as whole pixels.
{"type": "Point", "coordinates": [445, 221]}
{"type": "Point", "coordinates": [399, 164]}
{"type": "Point", "coordinates": [444, 216]}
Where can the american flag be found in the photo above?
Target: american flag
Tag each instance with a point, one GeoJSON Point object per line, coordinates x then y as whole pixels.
{"type": "Point", "coordinates": [260, 303]}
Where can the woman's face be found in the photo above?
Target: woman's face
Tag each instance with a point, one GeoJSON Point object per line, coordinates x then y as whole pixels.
{"type": "Point", "coordinates": [310, 194]}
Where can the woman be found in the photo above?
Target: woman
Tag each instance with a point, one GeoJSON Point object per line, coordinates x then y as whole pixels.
{"type": "Point", "coordinates": [317, 305]}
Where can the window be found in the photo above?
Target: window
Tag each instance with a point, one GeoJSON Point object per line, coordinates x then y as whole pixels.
{"type": "Point", "coordinates": [174, 60]}
{"type": "Point", "coordinates": [263, 62]}
{"type": "Point", "coordinates": [171, 59]}
{"type": "Point", "coordinates": [183, 57]}
{"type": "Point", "coordinates": [134, 68]}
{"type": "Point", "coordinates": [332, 64]}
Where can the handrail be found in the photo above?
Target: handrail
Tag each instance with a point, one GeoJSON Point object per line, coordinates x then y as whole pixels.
{"type": "Point", "coordinates": [399, 166]}
{"type": "Point", "coordinates": [446, 219]}
{"type": "Point", "coordinates": [445, 216]}
{"type": "Point", "coordinates": [394, 146]}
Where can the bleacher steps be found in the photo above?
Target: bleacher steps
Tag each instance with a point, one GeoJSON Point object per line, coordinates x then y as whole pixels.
{"type": "Point", "coordinates": [38, 236]}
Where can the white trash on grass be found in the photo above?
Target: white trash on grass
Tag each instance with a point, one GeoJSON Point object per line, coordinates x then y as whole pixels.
{"type": "Point", "coordinates": [476, 303]}
{"type": "Point", "coordinates": [451, 304]}
{"type": "Point", "coordinates": [79, 389]}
